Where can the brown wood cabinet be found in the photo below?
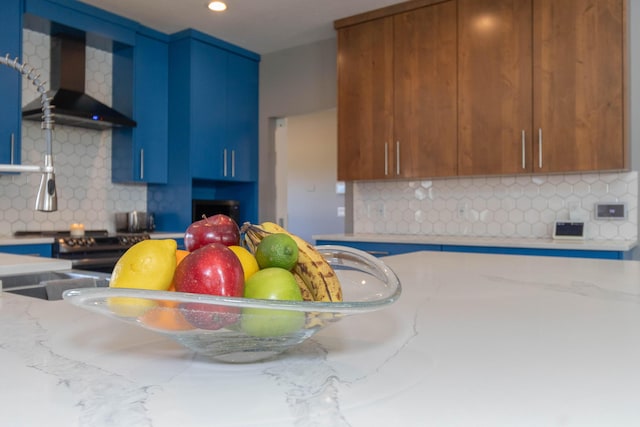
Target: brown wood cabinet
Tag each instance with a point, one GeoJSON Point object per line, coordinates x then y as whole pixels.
{"type": "Point", "coordinates": [541, 86]}
{"type": "Point", "coordinates": [433, 88]}
{"type": "Point", "coordinates": [365, 99]}
{"type": "Point", "coordinates": [495, 86]}
{"type": "Point", "coordinates": [397, 113]}
{"type": "Point", "coordinates": [579, 85]}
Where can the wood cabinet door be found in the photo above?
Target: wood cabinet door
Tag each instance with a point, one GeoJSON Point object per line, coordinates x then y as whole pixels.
{"type": "Point", "coordinates": [365, 100]}
{"type": "Point", "coordinates": [578, 85]}
{"type": "Point", "coordinates": [425, 104]}
{"type": "Point", "coordinates": [494, 87]}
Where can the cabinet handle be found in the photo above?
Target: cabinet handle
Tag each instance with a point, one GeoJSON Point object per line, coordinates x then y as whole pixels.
{"type": "Point", "coordinates": [540, 148]}
{"type": "Point", "coordinates": [386, 158]}
{"type": "Point", "coordinates": [524, 159]}
{"type": "Point", "coordinates": [13, 148]}
{"type": "Point", "coordinates": [233, 163]}
{"type": "Point", "coordinates": [142, 163]}
{"type": "Point", "coordinates": [397, 157]}
{"type": "Point", "coordinates": [224, 167]}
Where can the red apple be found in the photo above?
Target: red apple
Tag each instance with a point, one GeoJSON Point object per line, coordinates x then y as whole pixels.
{"type": "Point", "coordinates": [215, 270]}
{"type": "Point", "coordinates": [216, 229]}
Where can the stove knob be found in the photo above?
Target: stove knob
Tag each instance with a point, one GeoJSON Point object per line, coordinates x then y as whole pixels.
{"type": "Point", "coordinates": [123, 240]}
{"type": "Point", "coordinates": [70, 242]}
{"type": "Point", "coordinates": [91, 241]}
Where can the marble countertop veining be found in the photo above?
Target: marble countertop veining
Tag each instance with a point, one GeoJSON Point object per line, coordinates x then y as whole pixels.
{"type": "Point", "coordinates": [475, 339]}
{"type": "Point", "coordinates": [509, 242]}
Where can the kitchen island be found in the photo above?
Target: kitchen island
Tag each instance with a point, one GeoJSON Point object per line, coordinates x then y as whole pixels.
{"type": "Point", "coordinates": [475, 340]}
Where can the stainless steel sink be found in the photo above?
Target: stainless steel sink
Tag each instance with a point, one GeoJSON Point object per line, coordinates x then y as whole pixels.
{"type": "Point", "coordinates": [50, 285]}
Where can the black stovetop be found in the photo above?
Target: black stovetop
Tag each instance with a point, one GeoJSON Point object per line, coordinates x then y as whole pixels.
{"type": "Point", "coordinates": [59, 233]}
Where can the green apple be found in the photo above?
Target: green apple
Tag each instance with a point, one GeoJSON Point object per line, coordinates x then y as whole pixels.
{"type": "Point", "coordinates": [272, 283]}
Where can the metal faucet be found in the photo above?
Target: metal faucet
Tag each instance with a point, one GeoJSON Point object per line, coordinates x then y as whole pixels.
{"type": "Point", "coordinates": [47, 198]}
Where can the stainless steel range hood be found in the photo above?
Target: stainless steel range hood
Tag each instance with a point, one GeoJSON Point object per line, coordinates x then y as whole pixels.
{"type": "Point", "coordinates": [72, 106]}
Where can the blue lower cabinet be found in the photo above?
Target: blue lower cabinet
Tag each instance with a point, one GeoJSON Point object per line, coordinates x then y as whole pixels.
{"type": "Point", "coordinates": [180, 243]}
{"type": "Point", "coordinates": [43, 250]}
{"type": "Point", "coordinates": [382, 249]}
{"type": "Point", "coordinates": [571, 253]}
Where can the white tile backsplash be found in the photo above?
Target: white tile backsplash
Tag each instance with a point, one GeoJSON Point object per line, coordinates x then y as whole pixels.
{"type": "Point", "coordinates": [509, 206]}
{"type": "Point", "coordinates": [82, 159]}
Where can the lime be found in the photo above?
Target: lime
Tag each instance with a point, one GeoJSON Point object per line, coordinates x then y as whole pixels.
{"type": "Point", "coordinates": [277, 250]}
{"type": "Point", "coordinates": [248, 261]}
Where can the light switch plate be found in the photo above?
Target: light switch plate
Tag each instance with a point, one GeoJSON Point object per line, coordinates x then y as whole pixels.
{"type": "Point", "coordinates": [606, 211]}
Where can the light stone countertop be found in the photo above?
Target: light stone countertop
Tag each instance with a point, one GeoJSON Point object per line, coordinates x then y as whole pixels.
{"type": "Point", "coordinates": [474, 340]}
{"type": "Point", "coordinates": [587, 244]}
{"type": "Point", "coordinates": [17, 264]}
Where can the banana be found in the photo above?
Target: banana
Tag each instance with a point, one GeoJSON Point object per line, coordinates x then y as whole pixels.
{"type": "Point", "coordinates": [312, 267]}
{"type": "Point", "coordinates": [314, 274]}
{"type": "Point", "coordinates": [307, 295]}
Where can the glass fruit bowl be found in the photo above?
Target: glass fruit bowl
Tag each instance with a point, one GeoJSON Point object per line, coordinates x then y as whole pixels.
{"type": "Point", "coordinates": [241, 330]}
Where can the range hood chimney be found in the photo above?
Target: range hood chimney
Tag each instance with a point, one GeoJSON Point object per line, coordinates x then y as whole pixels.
{"type": "Point", "coordinates": [73, 107]}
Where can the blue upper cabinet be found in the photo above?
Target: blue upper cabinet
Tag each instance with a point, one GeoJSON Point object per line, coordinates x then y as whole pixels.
{"type": "Point", "coordinates": [10, 82]}
{"type": "Point", "coordinates": [242, 118]}
{"type": "Point", "coordinates": [224, 113]}
{"type": "Point", "coordinates": [140, 154]}
{"type": "Point", "coordinates": [213, 129]}
{"type": "Point", "coordinates": [208, 89]}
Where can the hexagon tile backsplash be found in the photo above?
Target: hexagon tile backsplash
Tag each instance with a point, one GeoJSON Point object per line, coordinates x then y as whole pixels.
{"type": "Point", "coordinates": [82, 160]}
{"type": "Point", "coordinates": [518, 207]}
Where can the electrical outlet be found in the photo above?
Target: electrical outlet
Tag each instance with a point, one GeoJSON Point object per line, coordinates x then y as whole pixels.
{"type": "Point", "coordinates": [607, 211]}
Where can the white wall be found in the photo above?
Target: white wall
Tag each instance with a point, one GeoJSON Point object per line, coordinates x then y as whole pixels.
{"type": "Point", "coordinates": [294, 81]}
{"type": "Point", "coordinates": [311, 169]}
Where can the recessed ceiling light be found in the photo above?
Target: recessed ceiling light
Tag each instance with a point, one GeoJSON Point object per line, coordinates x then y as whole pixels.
{"type": "Point", "coordinates": [217, 6]}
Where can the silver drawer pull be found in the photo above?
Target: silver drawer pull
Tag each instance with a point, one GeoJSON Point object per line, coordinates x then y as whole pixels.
{"type": "Point", "coordinates": [13, 148]}
{"type": "Point", "coordinates": [540, 148]}
{"type": "Point", "coordinates": [397, 157]}
{"type": "Point", "coordinates": [524, 145]}
{"type": "Point", "coordinates": [386, 158]}
{"type": "Point", "coordinates": [142, 163]}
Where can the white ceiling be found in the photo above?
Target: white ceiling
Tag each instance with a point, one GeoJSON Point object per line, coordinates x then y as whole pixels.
{"type": "Point", "coordinates": [262, 26]}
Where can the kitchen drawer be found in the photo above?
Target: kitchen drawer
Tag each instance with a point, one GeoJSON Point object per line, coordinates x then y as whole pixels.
{"type": "Point", "coordinates": [43, 250]}
{"type": "Point", "coordinates": [382, 249]}
{"type": "Point", "coordinates": [572, 253]}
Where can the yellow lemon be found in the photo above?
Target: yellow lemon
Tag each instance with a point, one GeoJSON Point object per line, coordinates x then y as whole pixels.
{"type": "Point", "coordinates": [149, 264]}
{"type": "Point", "coordinates": [248, 261]}
{"type": "Point", "coordinates": [130, 307]}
